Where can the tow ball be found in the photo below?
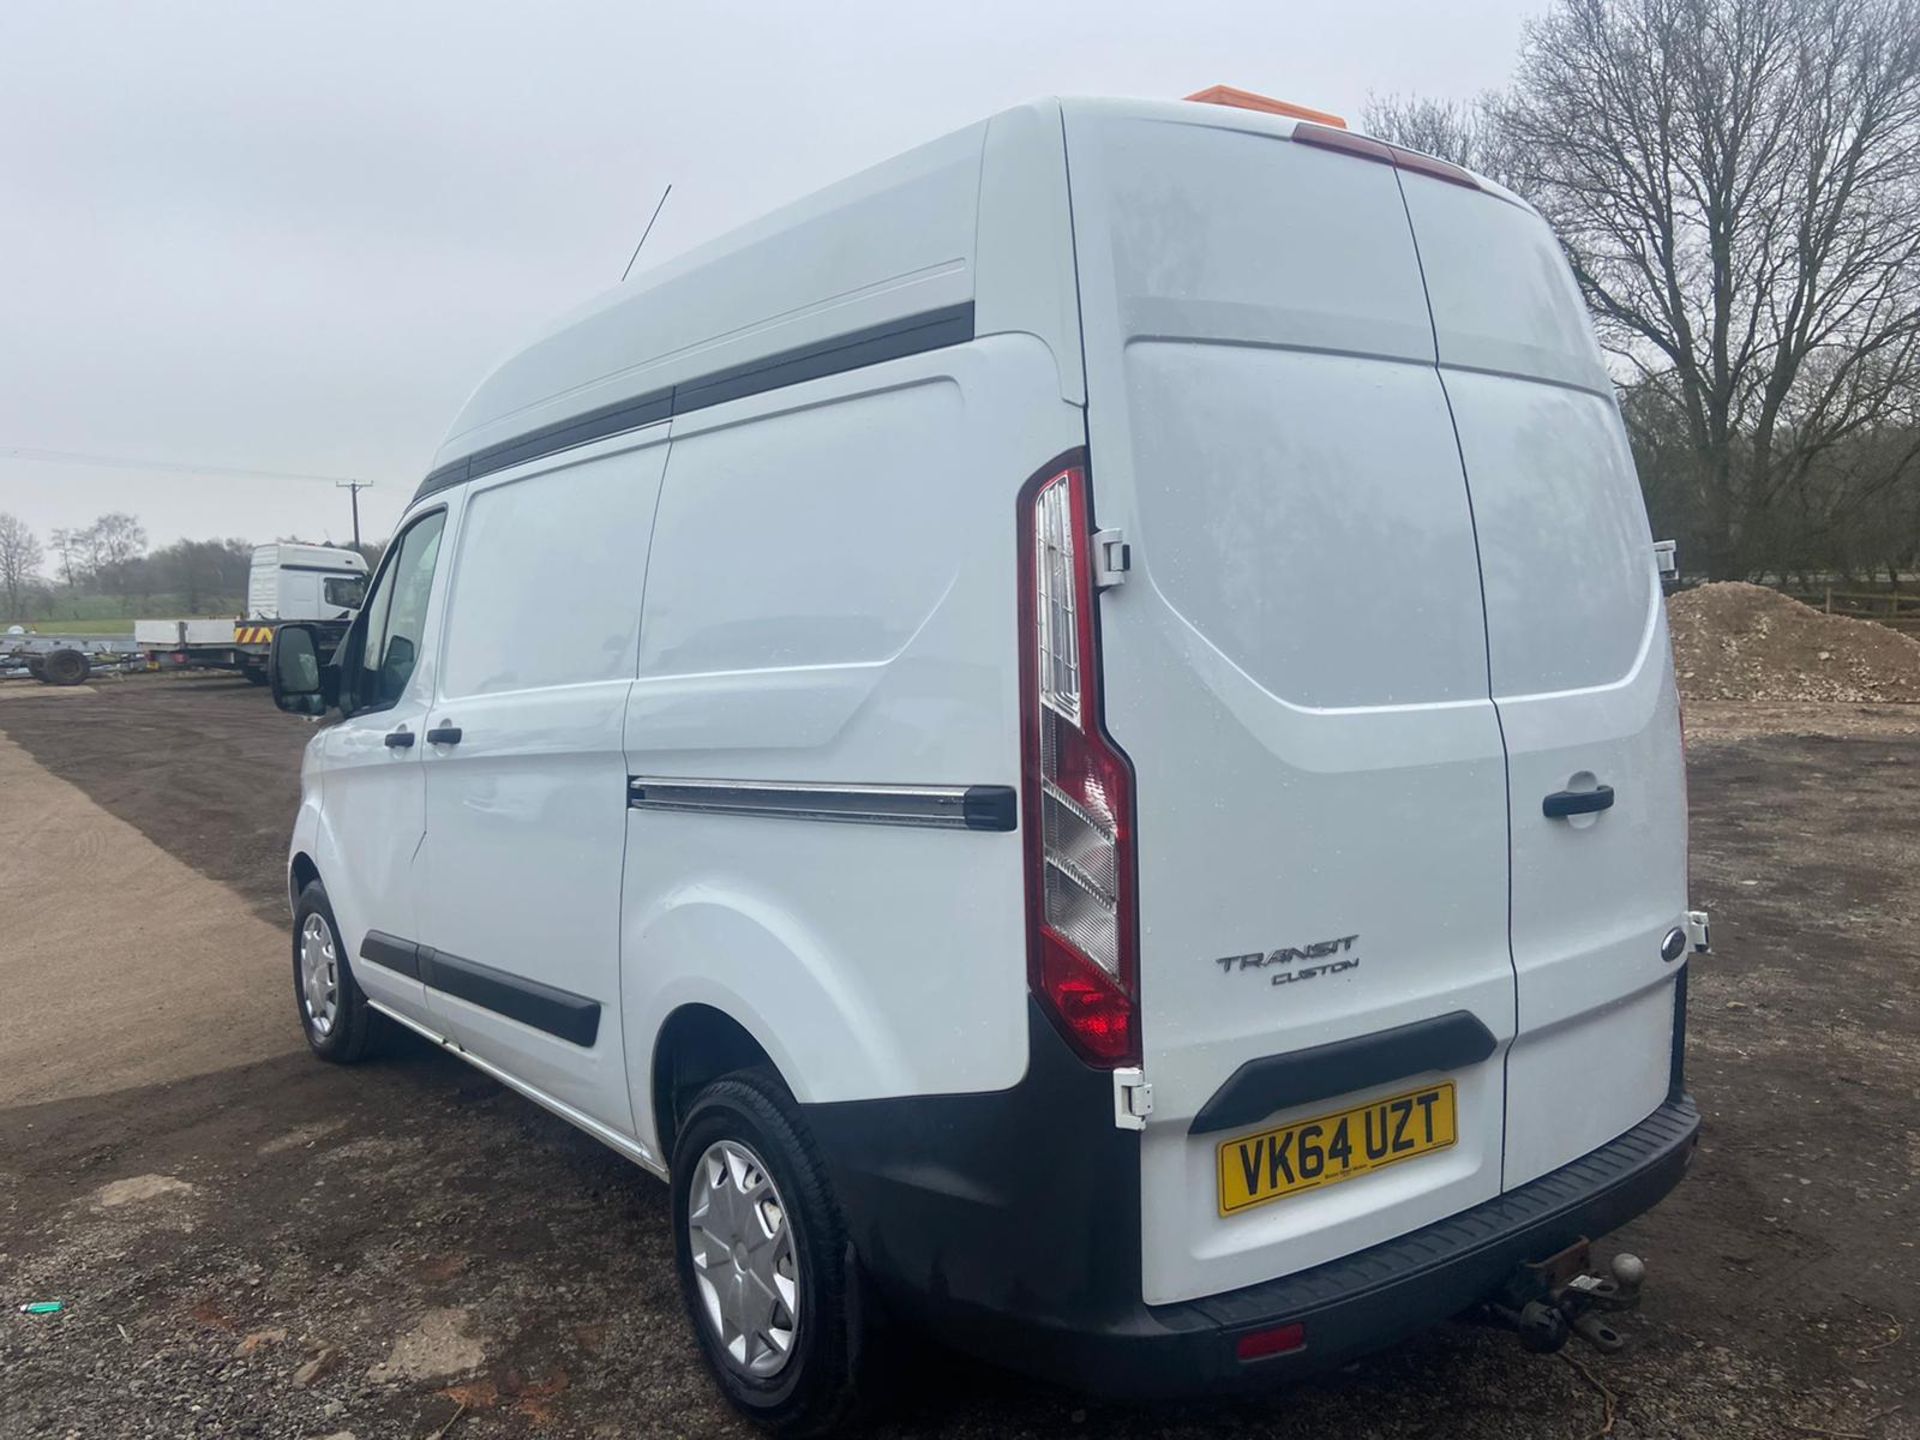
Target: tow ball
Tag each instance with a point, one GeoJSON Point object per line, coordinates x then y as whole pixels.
{"type": "Point", "coordinates": [1545, 1302]}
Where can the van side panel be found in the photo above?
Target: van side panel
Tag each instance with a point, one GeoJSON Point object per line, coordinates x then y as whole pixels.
{"type": "Point", "coordinates": [1296, 665]}
{"type": "Point", "coordinates": [831, 601]}
{"type": "Point", "coordinates": [1582, 672]}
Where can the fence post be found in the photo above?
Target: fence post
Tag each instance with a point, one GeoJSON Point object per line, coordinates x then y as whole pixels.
{"type": "Point", "coordinates": [1829, 598]}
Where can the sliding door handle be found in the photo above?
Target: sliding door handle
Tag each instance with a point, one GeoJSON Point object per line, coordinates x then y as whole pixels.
{"type": "Point", "coordinates": [444, 735]}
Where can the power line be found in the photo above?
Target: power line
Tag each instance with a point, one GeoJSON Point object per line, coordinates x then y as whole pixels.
{"type": "Point", "coordinates": [123, 462]}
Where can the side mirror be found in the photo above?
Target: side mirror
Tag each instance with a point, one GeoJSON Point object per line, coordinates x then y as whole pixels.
{"type": "Point", "coordinates": [302, 683]}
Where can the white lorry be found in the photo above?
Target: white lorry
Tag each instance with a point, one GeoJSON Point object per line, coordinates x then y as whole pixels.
{"type": "Point", "coordinates": [317, 584]}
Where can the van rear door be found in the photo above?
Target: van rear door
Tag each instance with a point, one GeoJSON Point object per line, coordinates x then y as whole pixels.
{"type": "Point", "coordinates": [1297, 668]}
{"type": "Point", "coordinates": [1582, 673]}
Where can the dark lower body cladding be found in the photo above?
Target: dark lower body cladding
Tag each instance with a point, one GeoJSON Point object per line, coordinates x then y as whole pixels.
{"type": "Point", "coordinates": [1009, 1224]}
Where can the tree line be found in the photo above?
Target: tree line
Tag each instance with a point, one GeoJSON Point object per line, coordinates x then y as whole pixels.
{"type": "Point", "coordinates": [106, 570]}
{"type": "Point", "coordinates": [1737, 186]}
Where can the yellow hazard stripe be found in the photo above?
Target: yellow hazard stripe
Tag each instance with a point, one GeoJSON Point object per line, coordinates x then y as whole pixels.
{"type": "Point", "coordinates": [253, 634]}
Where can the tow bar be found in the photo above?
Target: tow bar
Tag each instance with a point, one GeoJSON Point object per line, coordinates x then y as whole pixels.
{"type": "Point", "coordinates": [1545, 1302]}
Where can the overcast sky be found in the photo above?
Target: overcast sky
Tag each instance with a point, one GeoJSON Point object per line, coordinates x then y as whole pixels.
{"type": "Point", "coordinates": [293, 238]}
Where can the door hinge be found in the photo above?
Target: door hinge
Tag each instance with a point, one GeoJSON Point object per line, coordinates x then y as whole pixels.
{"type": "Point", "coordinates": [1112, 558]}
{"type": "Point", "coordinates": [1699, 932]}
{"type": "Point", "coordinates": [1132, 1099]}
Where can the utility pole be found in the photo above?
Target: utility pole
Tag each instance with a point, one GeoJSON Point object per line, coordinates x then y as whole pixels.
{"type": "Point", "coordinates": [354, 487]}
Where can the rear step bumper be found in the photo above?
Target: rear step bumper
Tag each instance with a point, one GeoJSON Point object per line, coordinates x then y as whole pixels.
{"type": "Point", "coordinates": [1009, 1225]}
{"type": "Point", "coordinates": [1378, 1296]}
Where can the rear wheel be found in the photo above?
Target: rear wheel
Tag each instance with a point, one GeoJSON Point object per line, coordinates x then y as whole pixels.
{"type": "Point", "coordinates": [764, 1263]}
{"type": "Point", "coordinates": [340, 1026]}
{"type": "Point", "coordinates": [256, 674]}
{"type": "Point", "coordinates": [65, 667]}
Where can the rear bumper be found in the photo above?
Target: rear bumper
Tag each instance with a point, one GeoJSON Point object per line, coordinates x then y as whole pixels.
{"type": "Point", "coordinates": [1365, 1301]}
{"type": "Point", "coordinates": [1009, 1224]}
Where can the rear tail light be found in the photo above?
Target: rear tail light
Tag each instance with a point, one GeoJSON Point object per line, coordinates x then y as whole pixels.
{"type": "Point", "coordinates": [1081, 937]}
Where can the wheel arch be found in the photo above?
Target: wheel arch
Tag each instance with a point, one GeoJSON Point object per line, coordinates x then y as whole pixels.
{"type": "Point", "coordinates": [301, 872]}
{"type": "Point", "coordinates": [697, 1044]}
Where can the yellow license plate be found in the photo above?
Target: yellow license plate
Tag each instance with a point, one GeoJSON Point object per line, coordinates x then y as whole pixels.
{"type": "Point", "coordinates": [1329, 1148]}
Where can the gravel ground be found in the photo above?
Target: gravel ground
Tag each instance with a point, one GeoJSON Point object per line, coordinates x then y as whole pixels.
{"type": "Point", "coordinates": [1735, 641]}
{"type": "Point", "coordinates": [282, 1248]}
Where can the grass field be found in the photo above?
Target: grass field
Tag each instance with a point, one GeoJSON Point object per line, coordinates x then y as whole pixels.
{"type": "Point", "coordinates": [72, 614]}
{"type": "Point", "coordinates": [81, 627]}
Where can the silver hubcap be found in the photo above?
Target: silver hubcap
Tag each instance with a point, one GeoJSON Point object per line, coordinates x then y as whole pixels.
{"type": "Point", "coordinates": [319, 975]}
{"type": "Point", "coordinates": [744, 1262]}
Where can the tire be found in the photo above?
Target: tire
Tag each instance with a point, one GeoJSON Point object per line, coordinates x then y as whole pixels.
{"type": "Point", "coordinates": [65, 667]}
{"type": "Point", "coordinates": [340, 1026]}
{"type": "Point", "coordinates": [256, 674]}
{"type": "Point", "coordinates": [816, 1383]}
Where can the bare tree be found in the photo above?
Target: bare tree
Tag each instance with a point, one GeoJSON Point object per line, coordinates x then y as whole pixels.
{"type": "Point", "coordinates": [20, 559]}
{"type": "Point", "coordinates": [204, 573]}
{"type": "Point", "coordinates": [1467, 132]}
{"type": "Point", "coordinates": [66, 550]}
{"type": "Point", "coordinates": [111, 544]}
{"type": "Point", "coordinates": [1737, 183]}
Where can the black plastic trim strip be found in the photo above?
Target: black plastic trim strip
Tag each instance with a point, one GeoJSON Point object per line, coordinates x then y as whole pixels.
{"type": "Point", "coordinates": [991, 807]}
{"type": "Point", "coordinates": [390, 952]}
{"type": "Point", "coordinates": [938, 807]}
{"type": "Point", "coordinates": [558, 1012]}
{"type": "Point", "coordinates": [1279, 1082]}
{"type": "Point", "coordinates": [324, 570]}
{"type": "Point", "coordinates": [854, 350]}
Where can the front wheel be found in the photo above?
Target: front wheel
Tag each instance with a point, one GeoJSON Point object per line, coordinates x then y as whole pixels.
{"type": "Point", "coordinates": [763, 1258]}
{"type": "Point", "coordinates": [339, 1024]}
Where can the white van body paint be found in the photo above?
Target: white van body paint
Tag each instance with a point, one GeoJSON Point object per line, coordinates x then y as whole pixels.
{"type": "Point", "coordinates": [751, 521]}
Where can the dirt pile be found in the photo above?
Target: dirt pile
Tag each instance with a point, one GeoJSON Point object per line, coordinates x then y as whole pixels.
{"type": "Point", "coordinates": [1733, 641]}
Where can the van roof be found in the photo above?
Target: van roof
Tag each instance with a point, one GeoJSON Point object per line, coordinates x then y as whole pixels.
{"type": "Point", "coordinates": [880, 264]}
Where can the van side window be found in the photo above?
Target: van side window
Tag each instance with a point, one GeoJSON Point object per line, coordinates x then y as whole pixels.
{"type": "Point", "coordinates": [396, 617]}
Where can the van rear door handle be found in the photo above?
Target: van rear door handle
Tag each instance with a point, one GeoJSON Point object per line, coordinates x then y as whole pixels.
{"type": "Point", "coordinates": [399, 739]}
{"type": "Point", "coordinates": [444, 735]}
{"type": "Point", "coordinates": [1562, 803]}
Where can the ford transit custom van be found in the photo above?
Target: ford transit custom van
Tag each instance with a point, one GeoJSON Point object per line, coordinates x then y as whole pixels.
{"type": "Point", "coordinates": [1073, 739]}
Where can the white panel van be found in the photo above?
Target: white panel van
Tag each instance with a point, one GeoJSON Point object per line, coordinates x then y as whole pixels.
{"type": "Point", "coordinates": [1110, 782]}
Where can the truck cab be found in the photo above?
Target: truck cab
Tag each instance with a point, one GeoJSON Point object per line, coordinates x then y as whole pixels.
{"type": "Point", "coordinates": [305, 582]}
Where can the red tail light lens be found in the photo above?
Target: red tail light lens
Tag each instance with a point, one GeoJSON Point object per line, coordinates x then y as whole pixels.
{"type": "Point", "coordinates": [1081, 938]}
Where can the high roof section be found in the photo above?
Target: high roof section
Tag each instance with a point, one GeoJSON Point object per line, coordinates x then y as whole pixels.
{"type": "Point", "coordinates": [967, 236]}
{"type": "Point", "coordinates": [883, 252]}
